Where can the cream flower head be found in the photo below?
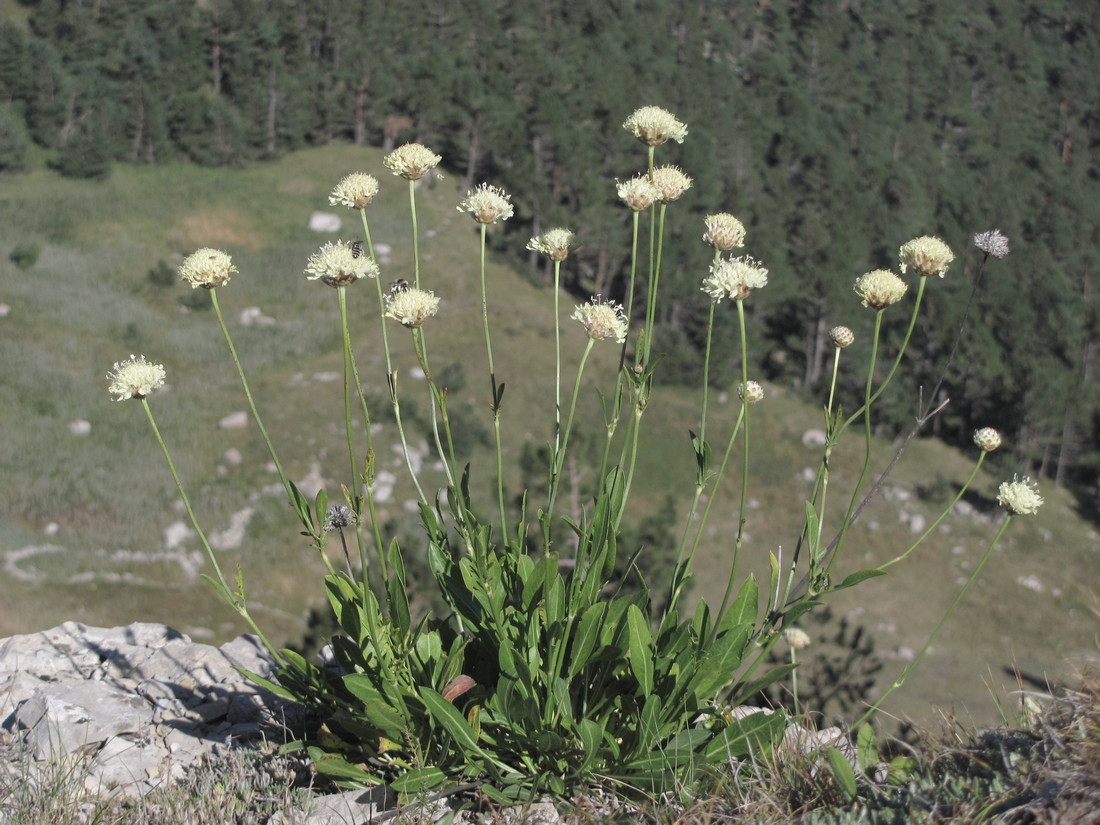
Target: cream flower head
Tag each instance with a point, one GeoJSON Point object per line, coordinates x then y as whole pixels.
{"type": "Point", "coordinates": [880, 288]}
{"type": "Point", "coordinates": [841, 337]}
{"type": "Point", "coordinates": [724, 232]}
{"type": "Point", "coordinates": [411, 307]}
{"type": "Point", "coordinates": [1020, 496]}
{"type": "Point", "coordinates": [653, 126]}
{"type": "Point", "coordinates": [992, 243]}
{"type": "Point", "coordinates": [554, 244]}
{"type": "Point", "coordinates": [602, 319]}
{"type": "Point", "coordinates": [987, 439]}
{"type": "Point", "coordinates": [638, 193]}
{"type": "Point", "coordinates": [411, 161]}
{"type": "Point", "coordinates": [135, 378]}
{"type": "Point", "coordinates": [337, 264]}
{"type": "Point", "coordinates": [208, 268]}
{"type": "Point", "coordinates": [796, 637]}
{"type": "Point", "coordinates": [734, 278]}
{"type": "Point", "coordinates": [750, 392]}
{"type": "Point", "coordinates": [354, 191]}
{"type": "Point", "coordinates": [927, 255]}
{"type": "Point", "coordinates": [671, 183]}
{"type": "Point", "coordinates": [487, 204]}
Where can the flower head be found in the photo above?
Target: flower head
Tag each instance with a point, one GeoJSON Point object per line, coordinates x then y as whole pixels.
{"type": "Point", "coordinates": [135, 378]}
{"type": "Point", "coordinates": [1020, 496]}
{"type": "Point", "coordinates": [208, 268]}
{"type": "Point", "coordinates": [841, 337]}
{"type": "Point", "coordinates": [880, 288]}
{"type": "Point", "coordinates": [411, 307]}
{"type": "Point", "coordinates": [671, 183]}
{"type": "Point", "coordinates": [734, 278]}
{"type": "Point", "coordinates": [750, 392]}
{"type": "Point", "coordinates": [554, 244]}
{"type": "Point", "coordinates": [638, 193]}
{"type": "Point", "coordinates": [724, 232]}
{"type": "Point", "coordinates": [992, 243]}
{"type": "Point", "coordinates": [927, 255]}
{"type": "Point", "coordinates": [338, 517]}
{"type": "Point", "coordinates": [653, 126]}
{"type": "Point", "coordinates": [487, 204]}
{"type": "Point", "coordinates": [411, 161]}
{"type": "Point", "coordinates": [796, 637]}
{"type": "Point", "coordinates": [337, 264]}
{"type": "Point", "coordinates": [988, 439]}
{"type": "Point", "coordinates": [602, 319]}
{"type": "Point", "coordinates": [354, 191]}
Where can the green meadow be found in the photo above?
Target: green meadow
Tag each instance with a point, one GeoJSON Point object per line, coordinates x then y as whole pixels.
{"type": "Point", "coordinates": [90, 521]}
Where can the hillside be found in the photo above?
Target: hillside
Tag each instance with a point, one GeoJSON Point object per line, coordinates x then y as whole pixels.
{"type": "Point", "coordinates": [88, 531]}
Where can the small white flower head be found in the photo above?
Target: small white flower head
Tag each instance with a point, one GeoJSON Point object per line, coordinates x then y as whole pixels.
{"type": "Point", "coordinates": [337, 264]}
{"type": "Point", "coordinates": [987, 439]}
{"type": "Point", "coordinates": [750, 392]}
{"type": "Point", "coordinates": [880, 288]}
{"type": "Point", "coordinates": [653, 126]}
{"type": "Point", "coordinates": [554, 244]}
{"type": "Point", "coordinates": [724, 232]}
{"type": "Point", "coordinates": [796, 637]}
{"type": "Point", "coordinates": [992, 243]}
{"type": "Point", "coordinates": [841, 337]}
{"type": "Point", "coordinates": [411, 161]}
{"type": "Point", "coordinates": [602, 319]}
{"type": "Point", "coordinates": [671, 183]}
{"type": "Point", "coordinates": [734, 278]}
{"type": "Point", "coordinates": [487, 204]}
{"type": "Point", "coordinates": [411, 307]}
{"type": "Point", "coordinates": [638, 193]}
{"type": "Point", "coordinates": [208, 268]}
{"type": "Point", "coordinates": [1020, 496]}
{"type": "Point", "coordinates": [354, 191]}
{"type": "Point", "coordinates": [135, 378]}
{"type": "Point", "coordinates": [927, 255]}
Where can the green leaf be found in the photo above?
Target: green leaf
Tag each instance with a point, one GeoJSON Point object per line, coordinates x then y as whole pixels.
{"type": "Point", "coordinates": [591, 735]}
{"type": "Point", "coordinates": [753, 734]}
{"type": "Point", "coordinates": [273, 687]}
{"type": "Point", "coordinates": [641, 656]}
{"type": "Point", "coordinates": [865, 748]}
{"type": "Point", "coordinates": [769, 678]}
{"type": "Point", "coordinates": [813, 529]}
{"type": "Point", "coordinates": [900, 769]}
{"type": "Point", "coordinates": [584, 638]}
{"type": "Point", "coordinates": [333, 764]}
{"type": "Point", "coordinates": [379, 712]}
{"type": "Point", "coordinates": [396, 591]}
{"type": "Point", "coordinates": [320, 506]}
{"type": "Point", "coordinates": [842, 772]}
{"type": "Point", "coordinates": [859, 576]}
{"type": "Point", "coordinates": [719, 665]}
{"type": "Point", "coordinates": [447, 715]}
{"type": "Point", "coordinates": [744, 607]}
{"type": "Point", "coordinates": [418, 780]}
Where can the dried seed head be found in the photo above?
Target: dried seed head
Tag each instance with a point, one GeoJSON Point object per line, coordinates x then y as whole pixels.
{"type": "Point", "coordinates": [992, 243]}
{"type": "Point", "coordinates": [841, 337]}
{"type": "Point", "coordinates": [671, 183]}
{"type": "Point", "coordinates": [724, 232]}
{"type": "Point", "coordinates": [927, 255]}
{"type": "Point", "coordinates": [638, 193]}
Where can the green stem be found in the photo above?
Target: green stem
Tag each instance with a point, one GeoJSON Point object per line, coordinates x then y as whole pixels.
{"type": "Point", "coordinates": [495, 389]}
{"type": "Point", "coordinates": [559, 455]}
{"type": "Point", "coordinates": [939, 627]}
{"type": "Point", "coordinates": [557, 356]}
{"type": "Point", "coordinates": [415, 234]}
{"type": "Point", "coordinates": [351, 378]}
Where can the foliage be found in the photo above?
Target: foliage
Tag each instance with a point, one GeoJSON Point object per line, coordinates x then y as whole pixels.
{"type": "Point", "coordinates": [25, 255]}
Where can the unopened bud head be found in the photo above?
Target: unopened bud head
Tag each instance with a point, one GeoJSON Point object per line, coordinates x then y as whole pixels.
{"type": "Point", "coordinates": [841, 337]}
{"type": "Point", "coordinates": [987, 439]}
{"type": "Point", "coordinates": [750, 392]}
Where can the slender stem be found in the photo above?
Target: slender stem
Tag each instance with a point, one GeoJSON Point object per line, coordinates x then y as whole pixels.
{"type": "Point", "coordinates": [351, 379]}
{"type": "Point", "coordinates": [630, 284]}
{"type": "Point", "coordinates": [559, 455]}
{"type": "Point", "coordinates": [415, 234]}
{"type": "Point", "coordinates": [235, 600]}
{"type": "Point", "coordinates": [495, 389]}
{"type": "Point", "coordinates": [557, 356]}
{"type": "Point", "coordinates": [939, 627]}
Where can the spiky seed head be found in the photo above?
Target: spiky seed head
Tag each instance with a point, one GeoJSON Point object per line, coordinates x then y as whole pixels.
{"type": "Point", "coordinates": [992, 243]}
{"type": "Point", "coordinates": [638, 193]}
{"type": "Point", "coordinates": [724, 232]}
{"type": "Point", "coordinates": [927, 255]}
{"type": "Point", "coordinates": [750, 392]}
{"type": "Point", "coordinates": [671, 183]}
{"type": "Point", "coordinates": [880, 288]}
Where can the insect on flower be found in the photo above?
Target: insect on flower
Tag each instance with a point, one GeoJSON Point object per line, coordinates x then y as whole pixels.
{"type": "Point", "coordinates": [356, 248]}
{"type": "Point", "coordinates": [398, 286]}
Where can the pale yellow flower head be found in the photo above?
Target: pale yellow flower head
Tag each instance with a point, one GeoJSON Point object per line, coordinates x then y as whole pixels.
{"type": "Point", "coordinates": [336, 264]}
{"type": "Point", "coordinates": [671, 183]}
{"type": "Point", "coordinates": [750, 392]}
{"type": "Point", "coordinates": [638, 193]}
{"type": "Point", "coordinates": [841, 337]}
{"type": "Point", "coordinates": [487, 204]}
{"type": "Point", "coordinates": [354, 191]}
{"type": "Point", "coordinates": [602, 319]}
{"type": "Point", "coordinates": [208, 268]}
{"type": "Point", "coordinates": [880, 288]}
{"type": "Point", "coordinates": [987, 439]}
{"type": "Point", "coordinates": [724, 232]}
{"type": "Point", "coordinates": [411, 161]}
{"type": "Point", "coordinates": [554, 244]}
{"type": "Point", "coordinates": [796, 637]}
{"type": "Point", "coordinates": [653, 126]}
{"type": "Point", "coordinates": [1020, 496]}
{"type": "Point", "coordinates": [411, 307]}
{"type": "Point", "coordinates": [734, 278]}
{"type": "Point", "coordinates": [135, 378]}
{"type": "Point", "coordinates": [927, 255]}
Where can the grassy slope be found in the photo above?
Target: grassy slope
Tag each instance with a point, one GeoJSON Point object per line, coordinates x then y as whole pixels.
{"type": "Point", "coordinates": [87, 303]}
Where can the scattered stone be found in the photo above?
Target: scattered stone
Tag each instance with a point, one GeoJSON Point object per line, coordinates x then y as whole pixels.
{"type": "Point", "coordinates": [813, 438]}
{"type": "Point", "coordinates": [80, 427]}
{"type": "Point", "coordinates": [5, 310]}
{"type": "Point", "coordinates": [233, 456]}
{"type": "Point", "coordinates": [325, 222]}
{"type": "Point", "coordinates": [234, 421]}
{"type": "Point", "coordinates": [254, 315]}
{"type": "Point", "coordinates": [51, 528]}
